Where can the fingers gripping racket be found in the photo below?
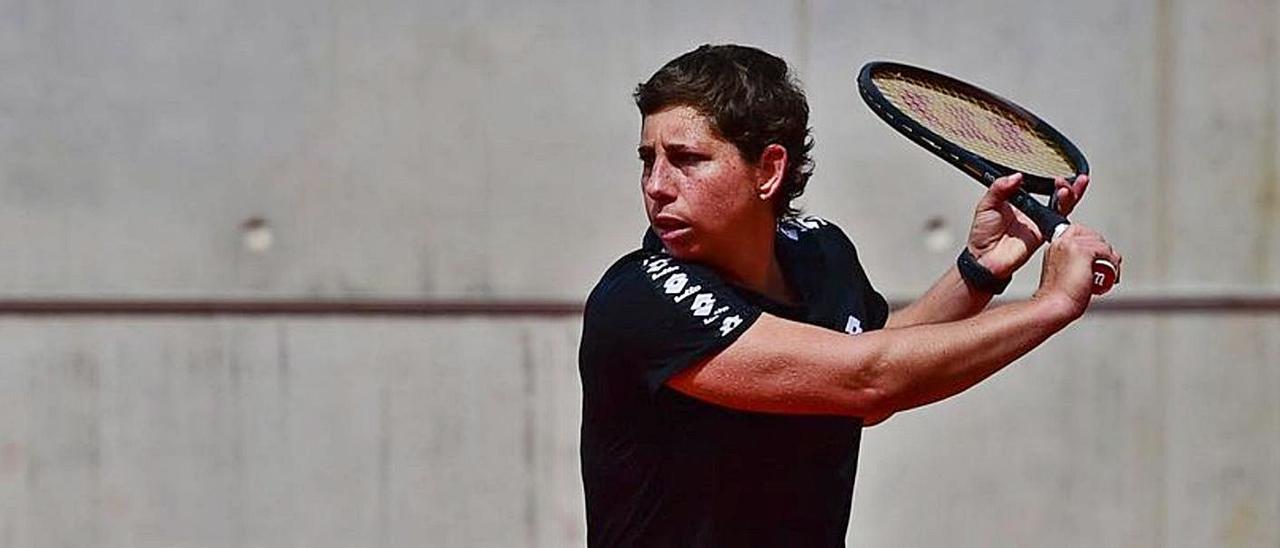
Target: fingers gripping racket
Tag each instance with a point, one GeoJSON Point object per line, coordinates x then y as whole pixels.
{"type": "Point", "coordinates": [984, 135]}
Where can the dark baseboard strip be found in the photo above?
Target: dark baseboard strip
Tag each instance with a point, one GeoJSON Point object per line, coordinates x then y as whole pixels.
{"type": "Point", "coordinates": [1150, 304]}
{"type": "Point", "coordinates": [286, 307]}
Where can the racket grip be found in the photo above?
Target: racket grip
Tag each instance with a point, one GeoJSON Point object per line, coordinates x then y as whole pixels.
{"type": "Point", "coordinates": [1104, 273]}
{"type": "Point", "coordinates": [1104, 276]}
{"type": "Point", "coordinates": [1053, 223]}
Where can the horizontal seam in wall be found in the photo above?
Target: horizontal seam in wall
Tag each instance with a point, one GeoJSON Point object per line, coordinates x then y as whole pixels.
{"type": "Point", "coordinates": [1146, 304]}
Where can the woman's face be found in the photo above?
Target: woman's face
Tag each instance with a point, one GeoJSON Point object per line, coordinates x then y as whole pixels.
{"type": "Point", "coordinates": [697, 187]}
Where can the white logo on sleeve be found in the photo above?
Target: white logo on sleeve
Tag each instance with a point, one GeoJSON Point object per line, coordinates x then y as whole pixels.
{"type": "Point", "coordinates": [702, 304]}
{"type": "Point", "coordinates": [793, 227]}
{"type": "Point", "coordinates": [854, 326]}
{"type": "Point", "coordinates": [729, 324]}
{"type": "Point", "coordinates": [678, 288]}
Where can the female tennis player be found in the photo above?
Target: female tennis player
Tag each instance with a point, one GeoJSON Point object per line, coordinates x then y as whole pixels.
{"type": "Point", "coordinates": [729, 364]}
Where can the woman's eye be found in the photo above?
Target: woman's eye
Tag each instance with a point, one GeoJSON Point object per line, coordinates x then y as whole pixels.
{"type": "Point", "coordinates": [687, 159]}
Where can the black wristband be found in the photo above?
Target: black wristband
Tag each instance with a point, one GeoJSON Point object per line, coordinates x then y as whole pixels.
{"type": "Point", "coordinates": [978, 276]}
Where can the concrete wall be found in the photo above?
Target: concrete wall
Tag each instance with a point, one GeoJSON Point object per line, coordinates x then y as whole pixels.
{"type": "Point", "coordinates": [289, 432]}
{"type": "Point", "coordinates": [484, 150]}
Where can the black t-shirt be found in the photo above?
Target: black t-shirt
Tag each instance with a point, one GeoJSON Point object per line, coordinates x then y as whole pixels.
{"type": "Point", "coordinates": [664, 469]}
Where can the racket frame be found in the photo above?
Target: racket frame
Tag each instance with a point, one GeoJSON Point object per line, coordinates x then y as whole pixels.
{"type": "Point", "coordinates": [985, 171]}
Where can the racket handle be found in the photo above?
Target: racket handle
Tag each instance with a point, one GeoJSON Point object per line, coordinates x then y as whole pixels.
{"type": "Point", "coordinates": [1053, 224]}
{"type": "Point", "coordinates": [1104, 273]}
{"type": "Point", "coordinates": [1104, 276]}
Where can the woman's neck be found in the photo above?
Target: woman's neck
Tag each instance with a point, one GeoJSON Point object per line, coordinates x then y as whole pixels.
{"type": "Point", "coordinates": [754, 265]}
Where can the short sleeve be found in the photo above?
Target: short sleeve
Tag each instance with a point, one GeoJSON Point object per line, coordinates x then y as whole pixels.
{"type": "Point", "coordinates": [872, 301]}
{"type": "Point", "coordinates": [652, 316]}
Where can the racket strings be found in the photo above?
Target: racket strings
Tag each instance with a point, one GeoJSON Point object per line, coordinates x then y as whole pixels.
{"type": "Point", "coordinates": [978, 125]}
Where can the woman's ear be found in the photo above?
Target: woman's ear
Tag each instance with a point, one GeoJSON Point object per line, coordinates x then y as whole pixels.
{"type": "Point", "coordinates": [771, 168]}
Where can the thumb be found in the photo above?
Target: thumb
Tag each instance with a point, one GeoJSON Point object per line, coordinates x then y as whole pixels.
{"type": "Point", "coordinates": [1000, 191]}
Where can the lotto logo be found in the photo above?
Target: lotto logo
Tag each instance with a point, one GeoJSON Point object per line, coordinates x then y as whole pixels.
{"type": "Point", "coordinates": [792, 228]}
{"type": "Point", "coordinates": [854, 326]}
{"type": "Point", "coordinates": [729, 324]}
{"type": "Point", "coordinates": [675, 284]}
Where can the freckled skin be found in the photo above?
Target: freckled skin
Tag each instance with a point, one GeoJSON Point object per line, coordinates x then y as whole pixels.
{"type": "Point", "coordinates": [707, 193]}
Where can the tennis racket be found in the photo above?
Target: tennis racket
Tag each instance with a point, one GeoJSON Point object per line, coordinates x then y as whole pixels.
{"type": "Point", "coordinates": [984, 135]}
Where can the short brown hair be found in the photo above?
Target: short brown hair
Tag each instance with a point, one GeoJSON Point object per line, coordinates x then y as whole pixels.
{"type": "Point", "coordinates": [751, 100]}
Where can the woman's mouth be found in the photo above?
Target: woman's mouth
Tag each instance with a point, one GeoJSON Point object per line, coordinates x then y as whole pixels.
{"type": "Point", "coordinates": [669, 228]}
